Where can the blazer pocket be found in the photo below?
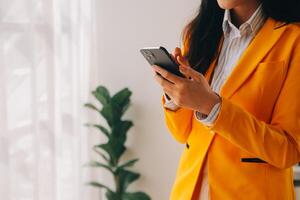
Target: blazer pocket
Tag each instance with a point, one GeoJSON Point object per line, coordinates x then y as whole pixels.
{"type": "Point", "coordinates": [252, 160]}
{"type": "Point", "coordinates": [187, 145]}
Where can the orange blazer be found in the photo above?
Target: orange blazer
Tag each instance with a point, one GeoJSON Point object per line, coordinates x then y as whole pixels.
{"type": "Point", "coordinates": [259, 119]}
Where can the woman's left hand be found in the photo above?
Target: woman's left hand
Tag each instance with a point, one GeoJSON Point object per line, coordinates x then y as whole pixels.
{"type": "Point", "coordinates": [194, 93]}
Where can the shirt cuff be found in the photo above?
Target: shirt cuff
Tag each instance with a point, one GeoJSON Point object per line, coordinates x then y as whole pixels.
{"type": "Point", "coordinates": [211, 117]}
{"type": "Point", "coordinates": [170, 104]}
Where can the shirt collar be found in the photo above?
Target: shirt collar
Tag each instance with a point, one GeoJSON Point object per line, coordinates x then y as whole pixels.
{"type": "Point", "coordinates": [252, 25]}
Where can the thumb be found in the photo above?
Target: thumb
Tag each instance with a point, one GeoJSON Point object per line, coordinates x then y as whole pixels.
{"type": "Point", "coordinates": [190, 73]}
{"type": "Point", "coordinates": [182, 61]}
{"type": "Point", "coordinates": [176, 54]}
{"type": "Point", "coordinates": [177, 51]}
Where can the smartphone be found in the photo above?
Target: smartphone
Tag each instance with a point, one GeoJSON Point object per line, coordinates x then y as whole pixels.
{"type": "Point", "coordinates": [161, 57]}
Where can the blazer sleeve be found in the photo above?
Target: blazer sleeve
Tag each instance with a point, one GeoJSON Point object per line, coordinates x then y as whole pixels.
{"type": "Point", "coordinates": [178, 122]}
{"type": "Point", "coordinates": [277, 142]}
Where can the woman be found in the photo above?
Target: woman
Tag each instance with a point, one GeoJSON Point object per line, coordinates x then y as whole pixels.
{"type": "Point", "coordinates": [240, 120]}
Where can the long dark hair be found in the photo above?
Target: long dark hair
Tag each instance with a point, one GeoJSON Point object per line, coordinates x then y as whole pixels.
{"type": "Point", "coordinates": [202, 35]}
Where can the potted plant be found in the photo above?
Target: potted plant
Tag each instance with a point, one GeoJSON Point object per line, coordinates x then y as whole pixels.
{"type": "Point", "coordinates": [113, 108]}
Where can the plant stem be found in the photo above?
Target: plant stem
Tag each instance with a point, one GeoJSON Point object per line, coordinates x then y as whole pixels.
{"type": "Point", "coordinates": [117, 185]}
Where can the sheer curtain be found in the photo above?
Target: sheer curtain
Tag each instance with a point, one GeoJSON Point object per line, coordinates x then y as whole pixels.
{"type": "Point", "coordinates": [46, 62]}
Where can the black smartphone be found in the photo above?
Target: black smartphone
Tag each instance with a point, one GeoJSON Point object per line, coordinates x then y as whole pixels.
{"type": "Point", "coordinates": [161, 57]}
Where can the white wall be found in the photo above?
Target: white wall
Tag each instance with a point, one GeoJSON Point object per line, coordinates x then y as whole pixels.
{"type": "Point", "coordinates": [124, 28]}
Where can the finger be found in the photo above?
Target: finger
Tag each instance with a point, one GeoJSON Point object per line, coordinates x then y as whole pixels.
{"type": "Point", "coordinates": [186, 75]}
{"type": "Point", "coordinates": [190, 72]}
{"type": "Point", "coordinates": [175, 54]}
{"type": "Point", "coordinates": [175, 59]}
{"type": "Point", "coordinates": [165, 84]}
{"type": "Point", "coordinates": [182, 61]}
{"type": "Point", "coordinates": [166, 87]}
{"type": "Point", "coordinates": [167, 75]}
{"type": "Point", "coordinates": [184, 71]}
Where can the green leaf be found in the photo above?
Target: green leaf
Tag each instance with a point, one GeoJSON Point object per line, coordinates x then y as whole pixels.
{"type": "Point", "coordinates": [135, 196]}
{"type": "Point", "coordinates": [101, 154]}
{"type": "Point", "coordinates": [100, 185]}
{"type": "Point", "coordinates": [112, 195]}
{"type": "Point", "coordinates": [129, 163]}
{"type": "Point", "coordinates": [91, 106]}
{"type": "Point", "coordinates": [125, 178]}
{"type": "Point", "coordinates": [114, 149]}
{"type": "Point", "coordinates": [98, 164]}
{"type": "Point", "coordinates": [122, 98]}
{"type": "Point", "coordinates": [101, 128]}
{"type": "Point", "coordinates": [102, 95]}
{"type": "Point", "coordinates": [121, 128]}
{"type": "Point", "coordinates": [125, 107]}
{"type": "Point", "coordinates": [111, 113]}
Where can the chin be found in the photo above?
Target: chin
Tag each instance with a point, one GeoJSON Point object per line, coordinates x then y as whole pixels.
{"type": "Point", "coordinates": [228, 4]}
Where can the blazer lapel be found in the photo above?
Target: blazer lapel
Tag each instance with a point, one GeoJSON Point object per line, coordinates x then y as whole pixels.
{"type": "Point", "coordinates": [258, 48]}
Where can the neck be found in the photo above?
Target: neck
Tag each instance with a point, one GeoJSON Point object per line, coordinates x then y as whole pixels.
{"type": "Point", "coordinates": [240, 14]}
